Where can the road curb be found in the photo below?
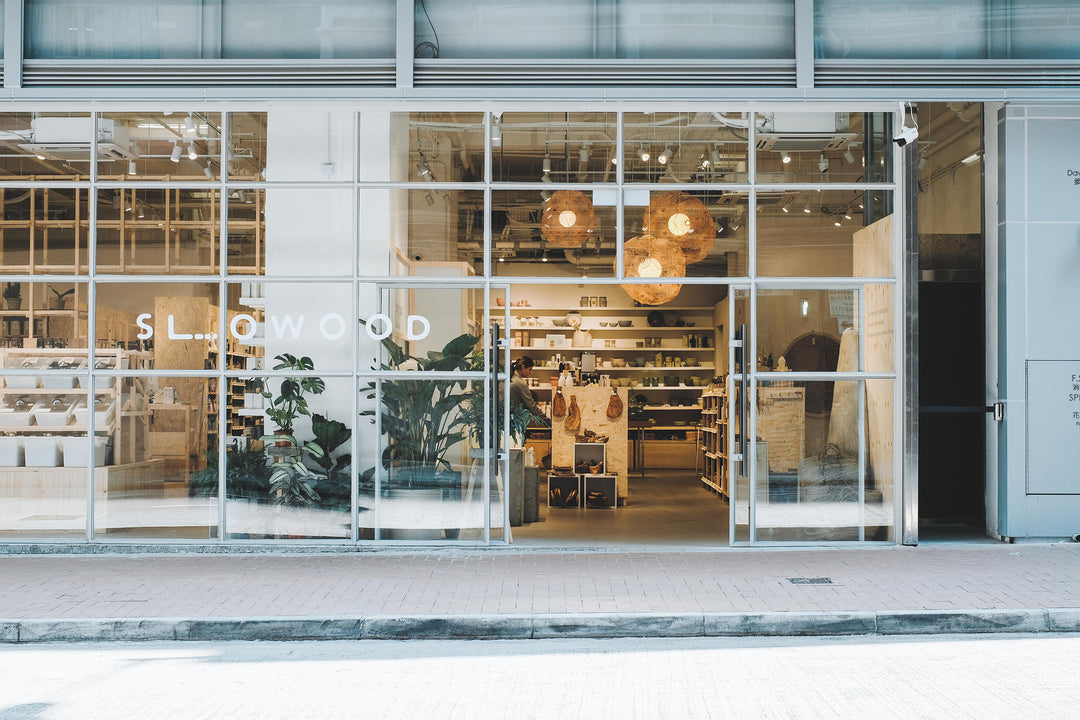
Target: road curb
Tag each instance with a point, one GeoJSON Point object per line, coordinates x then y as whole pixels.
{"type": "Point", "coordinates": [537, 626]}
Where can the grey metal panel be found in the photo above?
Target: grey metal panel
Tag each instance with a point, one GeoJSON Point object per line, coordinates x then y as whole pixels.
{"type": "Point", "coordinates": [1053, 294]}
{"type": "Point", "coordinates": [1053, 428]}
{"type": "Point", "coordinates": [1054, 188]}
{"type": "Point", "coordinates": [61, 73]}
{"type": "Point", "coordinates": [804, 43]}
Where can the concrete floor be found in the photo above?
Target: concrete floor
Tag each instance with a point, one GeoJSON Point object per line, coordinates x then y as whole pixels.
{"type": "Point", "coordinates": [665, 508]}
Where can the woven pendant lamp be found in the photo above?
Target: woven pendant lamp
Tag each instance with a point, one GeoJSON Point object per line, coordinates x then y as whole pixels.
{"type": "Point", "coordinates": [569, 219]}
{"type": "Point", "coordinates": [681, 217]}
{"type": "Point", "coordinates": [649, 256]}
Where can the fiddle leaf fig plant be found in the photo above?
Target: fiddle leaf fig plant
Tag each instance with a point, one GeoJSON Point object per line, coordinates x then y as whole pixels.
{"type": "Point", "coordinates": [291, 401]}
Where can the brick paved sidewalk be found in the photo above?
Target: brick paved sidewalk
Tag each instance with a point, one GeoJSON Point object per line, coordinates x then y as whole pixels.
{"type": "Point", "coordinates": [466, 583]}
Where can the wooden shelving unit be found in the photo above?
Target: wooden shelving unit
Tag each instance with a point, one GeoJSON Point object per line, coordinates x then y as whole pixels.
{"type": "Point", "coordinates": [715, 440]}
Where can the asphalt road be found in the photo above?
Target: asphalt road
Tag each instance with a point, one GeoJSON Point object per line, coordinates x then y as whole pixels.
{"type": "Point", "coordinates": [943, 676]}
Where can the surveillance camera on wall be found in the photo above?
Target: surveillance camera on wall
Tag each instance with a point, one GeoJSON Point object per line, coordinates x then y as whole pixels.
{"type": "Point", "coordinates": [906, 135]}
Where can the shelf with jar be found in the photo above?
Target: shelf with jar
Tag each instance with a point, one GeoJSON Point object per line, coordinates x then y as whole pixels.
{"type": "Point", "coordinates": [44, 404]}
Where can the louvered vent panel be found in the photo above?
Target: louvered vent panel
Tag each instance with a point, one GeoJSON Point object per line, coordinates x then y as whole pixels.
{"type": "Point", "coordinates": [1020, 74]}
{"type": "Point", "coordinates": [199, 74]}
{"type": "Point", "coordinates": [441, 73]}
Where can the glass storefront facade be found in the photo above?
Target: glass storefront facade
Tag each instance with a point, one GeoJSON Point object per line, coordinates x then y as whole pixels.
{"type": "Point", "coordinates": [283, 314]}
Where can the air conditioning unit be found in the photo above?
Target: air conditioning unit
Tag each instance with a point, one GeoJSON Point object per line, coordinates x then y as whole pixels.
{"type": "Point", "coordinates": [804, 132]}
{"type": "Point", "coordinates": [68, 138]}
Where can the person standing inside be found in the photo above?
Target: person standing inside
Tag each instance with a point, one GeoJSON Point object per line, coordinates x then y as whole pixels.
{"type": "Point", "coordinates": [520, 392]}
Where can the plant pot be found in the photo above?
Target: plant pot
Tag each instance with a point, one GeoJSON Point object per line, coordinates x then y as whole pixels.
{"type": "Point", "coordinates": [57, 304]}
{"type": "Point", "coordinates": [13, 303]}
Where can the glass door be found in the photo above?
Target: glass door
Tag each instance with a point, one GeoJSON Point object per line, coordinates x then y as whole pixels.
{"type": "Point", "coordinates": [433, 395]}
{"type": "Point", "coordinates": [738, 386]}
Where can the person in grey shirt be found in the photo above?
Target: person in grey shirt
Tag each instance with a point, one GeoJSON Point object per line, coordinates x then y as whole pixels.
{"type": "Point", "coordinates": [520, 393]}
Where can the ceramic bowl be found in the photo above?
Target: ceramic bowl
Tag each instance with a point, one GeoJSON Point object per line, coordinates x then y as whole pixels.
{"type": "Point", "coordinates": [625, 323]}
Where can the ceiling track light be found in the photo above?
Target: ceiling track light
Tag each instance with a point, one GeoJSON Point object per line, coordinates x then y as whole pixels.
{"type": "Point", "coordinates": [849, 157]}
{"type": "Point", "coordinates": [823, 164]}
{"type": "Point", "coordinates": [189, 125]}
{"type": "Point", "coordinates": [208, 172]}
{"type": "Point", "coordinates": [132, 170]}
{"type": "Point", "coordinates": [175, 155]}
{"type": "Point", "coordinates": [645, 154]}
{"type": "Point", "coordinates": [547, 164]}
{"type": "Point", "coordinates": [715, 157]}
{"type": "Point", "coordinates": [806, 208]}
{"type": "Point", "coordinates": [664, 156]}
{"type": "Point", "coordinates": [192, 153]}
{"type": "Point", "coordinates": [584, 155]}
{"type": "Point", "coordinates": [785, 158]}
{"type": "Point", "coordinates": [972, 158]}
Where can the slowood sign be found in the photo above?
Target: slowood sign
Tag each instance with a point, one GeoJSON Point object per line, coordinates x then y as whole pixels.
{"type": "Point", "coordinates": [332, 326]}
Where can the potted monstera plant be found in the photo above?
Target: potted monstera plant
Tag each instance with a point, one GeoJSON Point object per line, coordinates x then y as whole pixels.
{"type": "Point", "coordinates": [291, 481]}
{"type": "Point", "coordinates": [424, 419]}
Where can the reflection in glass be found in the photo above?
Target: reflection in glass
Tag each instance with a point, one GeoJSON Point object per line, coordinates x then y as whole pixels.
{"type": "Point", "coordinates": [553, 147]}
{"type": "Point", "coordinates": [292, 231]}
{"type": "Point", "coordinates": [43, 450]}
{"type": "Point", "coordinates": [562, 233]}
{"type": "Point", "coordinates": [52, 315]}
{"type": "Point", "coordinates": [808, 460]}
{"type": "Point", "coordinates": [808, 330]}
{"type": "Point", "coordinates": [50, 146]}
{"type": "Point", "coordinates": [182, 145]}
{"type": "Point", "coordinates": [822, 234]}
{"type": "Point", "coordinates": [247, 146]}
{"type": "Point", "coordinates": [432, 486]}
{"type": "Point", "coordinates": [685, 147]}
{"type": "Point", "coordinates": [44, 230]}
{"type": "Point", "coordinates": [431, 147]}
{"type": "Point", "coordinates": [721, 249]}
{"type": "Point", "coordinates": [153, 231]}
{"type": "Point", "coordinates": [162, 430]}
{"type": "Point", "coordinates": [427, 229]}
{"type": "Point", "coordinates": [326, 29]}
{"type": "Point", "coordinates": [176, 324]}
{"type": "Point", "coordinates": [289, 456]}
{"type": "Point", "coordinates": [824, 147]}
{"type": "Point", "coordinates": [880, 483]}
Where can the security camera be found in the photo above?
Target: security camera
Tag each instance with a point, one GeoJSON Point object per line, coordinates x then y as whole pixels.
{"type": "Point", "coordinates": [906, 135]}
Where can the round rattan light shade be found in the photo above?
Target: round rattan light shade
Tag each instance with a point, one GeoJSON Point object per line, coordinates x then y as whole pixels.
{"type": "Point", "coordinates": [649, 256]}
{"type": "Point", "coordinates": [569, 219]}
{"type": "Point", "coordinates": [684, 219]}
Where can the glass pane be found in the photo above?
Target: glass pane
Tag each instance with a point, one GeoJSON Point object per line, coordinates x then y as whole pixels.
{"type": "Point", "coordinates": [44, 230]}
{"type": "Point", "coordinates": [708, 227]}
{"type": "Point", "coordinates": [685, 147]}
{"type": "Point", "coordinates": [288, 472]}
{"type": "Point", "coordinates": [827, 233]}
{"type": "Point", "coordinates": [50, 146]}
{"type": "Point", "coordinates": [271, 231]}
{"type": "Point", "coordinates": [423, 147]}
{"type": "Point", "coordinates": [808, 460]}
{"type": "Point", "coordinates": [307, 29]}
{"type": "Point", "coordinates": [266, 320]}
{"type": "Point", "coordinates": [430, 231]}
{"type": "Point", "coordinates": [153, 231]}
{"type": "Point", "coordinates": [432, 487]}
{"type": "Point", "coordinates": [62, 29]}
{"type": "Point", "coordinates": [689, 29]}
{"type": "Point", "coordinates": [880, 327]}
{"type": "Point", "coordinates": [576, 29]}
{"type": "Point", "coordinates": [824, 147]}
{"type": "Point", "coordinates": [807, 331]}
{"type": "Point", "coordinates": [963, 30]}
{"type": "Point", "coordinates": [429, 328]}
{"type": "Point", "coordinates": [915, 29]}
{"type": "Point", "coordinates": [159, 146]}
{"type": "Point", "coordinates": [43, 457]}
{"type": "Point", "coordinates": [47, 315]}
{"type": "Point", "coordinates": [558, 147]}
{"type": "Point", "coordinates": [161, 485]}
{"type": "Point", "coordinates": [880, 482]}
{"type": "Point", "coordinates": [293, 145]}
{"type": "Point", "coordinates": [177, 323]}
{"type": "Point", "coordinates": [560, 233]}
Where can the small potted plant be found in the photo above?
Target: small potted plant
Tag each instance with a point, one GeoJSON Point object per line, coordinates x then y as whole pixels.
{"type": "Point", "coordinates": [59, 301]}
{"type": "Point", "coordinates": [12, 296]}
